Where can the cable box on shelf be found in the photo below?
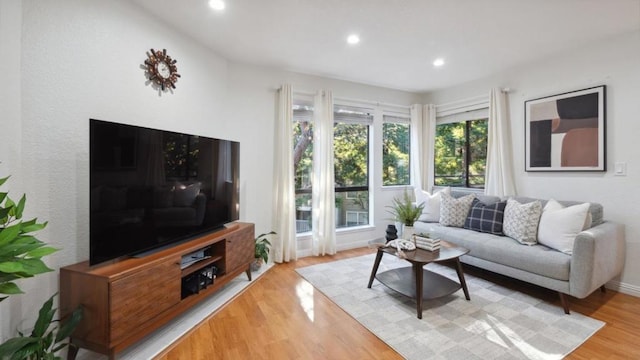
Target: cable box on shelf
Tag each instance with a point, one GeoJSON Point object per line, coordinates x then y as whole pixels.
{"type": "Point", "coordinates": [194, 257]}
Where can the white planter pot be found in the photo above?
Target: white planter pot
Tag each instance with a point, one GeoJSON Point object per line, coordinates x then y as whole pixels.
{"type": "Point", "coordinates": [407, 232]}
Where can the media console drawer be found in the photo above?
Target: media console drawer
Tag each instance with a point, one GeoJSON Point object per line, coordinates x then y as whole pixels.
{"type": "Point", "coordinates": [128, 299]}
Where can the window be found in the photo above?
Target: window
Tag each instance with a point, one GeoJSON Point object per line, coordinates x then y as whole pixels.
{"type": "Point", "coordinates": [461, 153]}
{"type": "Point", "coordinates": [181, 156]}
{"type": "Point", "coordinates": [395, 151]}
{"type": "Point", "coordinates": [303, 164]}
{"type": "Point", "coordinates": [351, 165]}
{"type": "Point", "coordinates": [356, 218]}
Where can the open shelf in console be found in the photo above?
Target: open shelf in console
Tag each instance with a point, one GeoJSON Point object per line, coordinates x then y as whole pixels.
{"type": "Point", "coordinates": [201, 268]}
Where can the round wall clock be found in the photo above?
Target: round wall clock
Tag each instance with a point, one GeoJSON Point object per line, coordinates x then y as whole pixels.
{"type": "Point", "coordinates": [162, 69]}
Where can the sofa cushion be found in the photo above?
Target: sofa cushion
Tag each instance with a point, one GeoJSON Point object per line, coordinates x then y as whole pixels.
{"type": "Point", "coordinates": [431, 210]}
{"type": "Point", "coordinates": [486, 218]}
{"type": "Point", "coordinates": [521, 221]}
{"type": "Point", "coordinates": [453, 212]}
{"type": "Point", "coordinates": [595, 209]}
{"type": "Point", "coordinates": [560, 225]}
{"type": "Point", "coordinates": [536, 259]}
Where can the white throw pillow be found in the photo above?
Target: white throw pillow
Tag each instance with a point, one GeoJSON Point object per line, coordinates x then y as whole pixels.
{"type": "Point", "coordinates": [185, 194]}
{"type": "Point", "coordinates": [560, 225]}
{"type": "Point", "coordinates": [521, 221]}
{"type": "Point", "coordinates": [453, 212]}
{"type": "Point", "coordinates": [431, 210]}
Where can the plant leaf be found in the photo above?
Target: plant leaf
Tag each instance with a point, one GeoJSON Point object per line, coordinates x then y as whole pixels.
{"type": "Point", "coordinates": [4, 180]}
{"type": "Point", "coordinates": [69, 325]}
{"type": "Point", "coordinates": [13, 345]}
{"type": "Point", "coordinates": [34, 227]}
{"type": "Point", "coordinates": [10, 288]}
{"type": "Point", "coordinates": [45, 315]}
{"type": "Point", "coordinates": [11, 267]}
{"type": "Point", "coordinates": [9, 233]}
{"type": "Point", "coordinates": [34, 266]}
{"type": "Point", "coordinates": [41, 251]}
{"type": "Point", "coordinates": [4, 212]}
{"type": "Point", "coordinates": [20, 207]}
{"type": "Point", "coordinates": [13, 250]}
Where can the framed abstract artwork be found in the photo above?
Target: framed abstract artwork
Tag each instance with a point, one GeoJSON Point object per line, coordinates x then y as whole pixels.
{"type": "Point", "coordinates": [566, 132]}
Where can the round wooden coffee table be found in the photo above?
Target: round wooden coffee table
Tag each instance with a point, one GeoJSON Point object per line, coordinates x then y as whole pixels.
{"type": "Point", "coordinates": [409, 281]}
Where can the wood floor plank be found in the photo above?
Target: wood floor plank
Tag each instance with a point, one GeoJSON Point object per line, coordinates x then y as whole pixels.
{"type": "Point", "coordinates": [281, 316]}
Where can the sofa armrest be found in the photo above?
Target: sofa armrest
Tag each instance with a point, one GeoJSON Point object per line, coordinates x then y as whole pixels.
{"type": "Point", "coordinates": [598, 256]}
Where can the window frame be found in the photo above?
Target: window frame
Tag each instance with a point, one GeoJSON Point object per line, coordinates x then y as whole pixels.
{"type": "Point", "coordinates": [466, 115]}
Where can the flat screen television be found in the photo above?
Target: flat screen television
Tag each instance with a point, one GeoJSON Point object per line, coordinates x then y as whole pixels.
{"type": "Point", "coordinates": [152, 188]}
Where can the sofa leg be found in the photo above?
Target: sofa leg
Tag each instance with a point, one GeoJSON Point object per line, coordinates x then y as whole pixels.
{"type": "Point", "coordinates": [565, 302]}
{"type": "Point", "coordinates": [603, 289]}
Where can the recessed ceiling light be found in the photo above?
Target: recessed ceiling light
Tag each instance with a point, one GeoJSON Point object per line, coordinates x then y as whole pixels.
{"type": "Point", "coordinates": [217, 5]}
{"type": "Point", "coordinates": [353, 39]}
{"type": "Point", "coordinates": [438, 62]}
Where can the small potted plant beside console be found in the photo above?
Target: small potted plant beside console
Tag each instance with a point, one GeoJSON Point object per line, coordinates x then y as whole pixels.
{"type": "Point", "coordinates": [263, 246]}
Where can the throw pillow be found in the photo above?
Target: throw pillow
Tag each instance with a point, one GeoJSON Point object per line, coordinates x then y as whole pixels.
{"type": "Point", "coordinates": [185, 194]}
{"type": "Point", "coordinates": [486, 218]}
{"type": "Point", "coordinates": [431, 210]}
{"type": "Point", "coordinates": [453, 212]}
{"type": "Point", "coordinates": [521, 221]}
{"type": "Point", "coordinates": [560, 225]}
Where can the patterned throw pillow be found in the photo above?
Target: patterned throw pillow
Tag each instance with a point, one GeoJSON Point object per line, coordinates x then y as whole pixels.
{"type": "Point", "coordinates": [486, 218]}
{"type": "Point", "coordinates": [521, 221]}
{"type": "Point", "coordinates": [453, 212]}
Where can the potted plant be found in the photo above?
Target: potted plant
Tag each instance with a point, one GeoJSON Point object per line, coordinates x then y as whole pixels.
{"type": "Point", "coordinates": [405, 212]}
{"type": "Point", "coordinates": [263, 246]}
{"type": "Point", "coordinates": [20, 257]}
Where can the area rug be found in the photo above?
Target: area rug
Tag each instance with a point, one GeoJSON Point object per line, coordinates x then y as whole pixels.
{"type": "Point", "coordinates": [498, 323]}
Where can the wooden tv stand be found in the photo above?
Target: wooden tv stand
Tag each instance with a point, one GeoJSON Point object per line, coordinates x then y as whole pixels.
{"type": "Point", "coordinates": [126, 300]}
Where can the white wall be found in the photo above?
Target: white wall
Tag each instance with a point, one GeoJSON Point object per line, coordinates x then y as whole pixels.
{"type": "Point", "coordinates": [72, 60]}
{"type": "Point", "coordinates": [614, 63]}
{"type": "Point", "coordinates": [10, 125]}
{"type": "Point", "coordinates": [81, 60]}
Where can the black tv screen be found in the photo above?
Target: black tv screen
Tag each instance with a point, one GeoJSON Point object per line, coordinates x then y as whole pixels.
{"type": "Point", "coordinates": [152, 188]}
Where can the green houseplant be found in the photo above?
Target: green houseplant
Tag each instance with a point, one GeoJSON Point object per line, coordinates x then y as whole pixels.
{"type": "Point", "coordinates": [263, 246]}
{"type": "Point", "coordinates": [21, 257]}
{"type": "Point", "coordinates": [406, 212]}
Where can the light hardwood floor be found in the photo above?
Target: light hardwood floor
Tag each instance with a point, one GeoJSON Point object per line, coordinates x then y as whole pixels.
{"type": "Point", "coordinates": [281, 316]}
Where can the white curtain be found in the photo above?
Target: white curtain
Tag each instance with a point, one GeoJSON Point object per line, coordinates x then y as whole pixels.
{"type": "Point", "coordinates": [423, 132]}
{"type": "Point", "coordinates": [323, 192]}
{"type": "Point", "coordinates": [284, 242]}
{"type": "Point", "coordinates": [499, 172]}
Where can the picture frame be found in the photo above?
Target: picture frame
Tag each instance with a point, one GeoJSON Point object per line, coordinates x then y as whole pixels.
{"type": "Point", "coordinates": [566, 132]}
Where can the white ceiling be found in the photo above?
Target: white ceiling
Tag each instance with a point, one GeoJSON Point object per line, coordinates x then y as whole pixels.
{"type": "Point", "coordinates": [399, 38]}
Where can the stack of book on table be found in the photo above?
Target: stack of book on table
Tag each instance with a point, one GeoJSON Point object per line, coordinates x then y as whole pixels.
{"type": "Point", "coordinates": [426, 243]}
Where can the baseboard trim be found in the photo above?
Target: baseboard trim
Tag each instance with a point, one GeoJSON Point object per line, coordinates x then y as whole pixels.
{"type": "Point", "coordinates": [624, 288]}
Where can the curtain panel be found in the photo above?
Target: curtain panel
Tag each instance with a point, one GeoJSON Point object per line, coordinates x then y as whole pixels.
{"type": "Point", "coordinates": [284, 242]}
{"type": "Point", "coordinates": [499, 171]}
{"type": "Point", "coordinates": [323, 210]}
{"type": "Point", "coordinates": [423, 133]}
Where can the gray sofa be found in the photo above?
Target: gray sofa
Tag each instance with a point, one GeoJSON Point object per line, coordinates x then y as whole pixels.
{"type": "Point", "coordinates": [598, 254]}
